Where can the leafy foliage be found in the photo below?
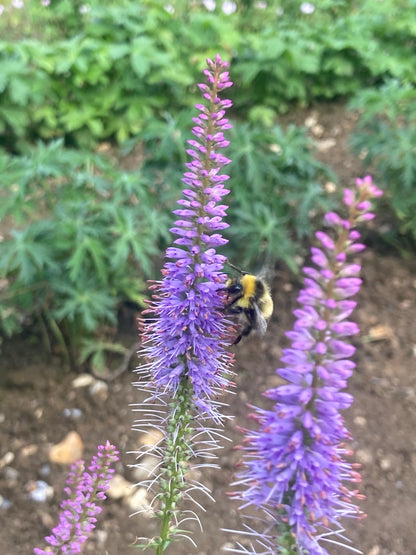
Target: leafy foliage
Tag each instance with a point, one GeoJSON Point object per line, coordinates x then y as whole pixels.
{"type": "Point", "coordinates": [81, 238]}
{"type": "Point", "coordinates": [277, 193]}
{"type": "Point", "coordinates": [81, 235]}
{"type": "Point", "coordinates": [277, 186]}
{"type": "Point", "coordinates": [386, 137]}
{"type": "Point", "coordinates": [106, 72]}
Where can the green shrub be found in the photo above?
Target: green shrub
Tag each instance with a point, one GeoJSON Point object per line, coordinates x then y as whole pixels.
{"type": "Point", "coordinates": [386, 138]}
{"type": "Point", "coordinates": [277, 190]}
{"type": "Point", "coordinates": [102, 82]}
{"type": "Point", "coordinates": [103, 74]}
{"type": "Point", "coordinates": [79, 238]}
{"type": "Point", "coordinates": [277, 194]}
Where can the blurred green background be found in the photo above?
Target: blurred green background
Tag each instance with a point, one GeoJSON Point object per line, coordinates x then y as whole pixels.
{"type": "Point", "coordinates": [96, 101]}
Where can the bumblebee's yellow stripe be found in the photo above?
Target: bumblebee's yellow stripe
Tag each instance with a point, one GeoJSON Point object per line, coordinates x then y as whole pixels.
{"type": "Point", "coordinates": [249, 286]}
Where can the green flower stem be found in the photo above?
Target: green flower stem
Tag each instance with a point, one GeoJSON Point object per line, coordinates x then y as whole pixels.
{"type": "Point", "coordinates": [178, 452]}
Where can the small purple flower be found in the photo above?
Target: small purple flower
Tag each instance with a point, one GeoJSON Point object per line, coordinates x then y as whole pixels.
{"type": "Point", "coordinates": [229, 7]}
{"type": "Point", "coordinates": [295, 468]}
{"type": "Point", "coordinates": [209, 4]}
{"type": "Point", "coordinates": [183, 341]}
{"type": "Point", "coordinates": [79, 511]}
{"type": "Point", "coordinates": [307, 8]}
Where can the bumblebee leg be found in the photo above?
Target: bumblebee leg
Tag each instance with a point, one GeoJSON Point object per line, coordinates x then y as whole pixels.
{"type": "Point", "coordinates": [245, 331]}
{"type": "Point", "coordinates": [247, 326]}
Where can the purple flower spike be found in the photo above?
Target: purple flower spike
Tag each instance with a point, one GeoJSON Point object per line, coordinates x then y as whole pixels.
{"type": "Point", "coordinates": [85, 490]}
{"type": "Point", "coordinates": [187, 365]}
{"type": "Point", "coordinates": [183, 341]}
{"type": "Point", "coordinates": [295, 469]}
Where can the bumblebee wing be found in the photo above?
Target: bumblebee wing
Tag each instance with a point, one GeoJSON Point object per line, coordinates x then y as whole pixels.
{"type": "Point", "coordinates": [260, 322]}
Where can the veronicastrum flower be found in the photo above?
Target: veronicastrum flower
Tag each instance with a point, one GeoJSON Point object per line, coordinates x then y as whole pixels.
{"type": "Point", "coordinates": [295, 468]}
{"type": "Point", "coordinates": [85, 489]}
{"type": "Point", "coordinates": [187, 366]}
{"type": "Point", "coordinates": [183, 340]}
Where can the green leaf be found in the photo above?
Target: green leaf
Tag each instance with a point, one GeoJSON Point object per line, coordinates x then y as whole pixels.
{"type": "Point", "coordinates": [84, 305]}
{"type": "Point", "coordinates": [26, 253]}
{"type": "Point", "coordinates": [117, 51]}
{"type": "Point", "coordinates": [139, 56]}
{"type": "Point", "coordinates": [20, 90]}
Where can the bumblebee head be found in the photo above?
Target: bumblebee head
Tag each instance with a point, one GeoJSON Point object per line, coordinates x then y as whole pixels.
{"type": "Point", "coordinates": [233, 286]}
{"type": "Point", "coordinates": [241, 285]}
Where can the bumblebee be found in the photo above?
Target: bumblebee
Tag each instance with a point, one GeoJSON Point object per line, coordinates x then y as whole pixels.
{"type": "Point", "coordinates": [249, 296]}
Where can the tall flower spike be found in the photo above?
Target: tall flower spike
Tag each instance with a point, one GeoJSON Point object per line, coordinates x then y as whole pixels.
{"type": "Point", "coordinates": [295, 469]}
{"type": "Point", "coordinates": [183, 340]}
{"type": "Point", "coordinates": [187, 366]}
{"type": "Point", "coordinates": [85, 490]}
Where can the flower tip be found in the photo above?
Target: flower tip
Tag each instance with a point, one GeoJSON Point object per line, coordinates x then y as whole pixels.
{"type": "Point", "coordinates": [366, 180]}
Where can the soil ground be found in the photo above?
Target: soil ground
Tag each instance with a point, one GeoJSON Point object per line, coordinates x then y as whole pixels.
{"type": "Point", "coordinates": [34, 393]}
